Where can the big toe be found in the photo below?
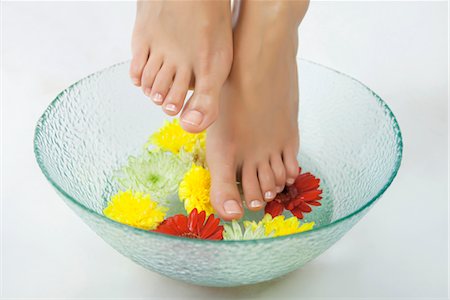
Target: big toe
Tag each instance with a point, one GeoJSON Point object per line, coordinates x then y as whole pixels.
{"type": "Point", "coordinates": [202, 108]}
{"type": "Point", "coordinates": [225, 197]}
{"type": "Point", "coordinates": [226, 200]}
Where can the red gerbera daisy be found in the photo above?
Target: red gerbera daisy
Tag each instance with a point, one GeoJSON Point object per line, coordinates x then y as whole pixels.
{"type": "Point", "coordinates": [298, 198]}
{"type": "Point", "coordinates": [193, 227]}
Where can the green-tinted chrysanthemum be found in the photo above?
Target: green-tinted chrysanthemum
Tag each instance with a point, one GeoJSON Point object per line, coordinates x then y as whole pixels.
{"type": "Point", "coordinates": [156, 173]}
{"type": "Point", "coordinates": [250, 232]}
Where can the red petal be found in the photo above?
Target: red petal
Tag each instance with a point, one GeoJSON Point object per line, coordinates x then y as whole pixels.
{"type": "Point", "coordinates": [200, 221]}
{"type": "Point", "coordinates": [165, 227]}
{"type": "Point", "coordinates": [306, 182]}
{"type": "Point", "coordinates": [218, 235]}
{"type": "Point", "coordinates": [304, 207]}
{"type": "Point", "coordinates": [274, 208]}
{"type": "Point", "coordinates": [298, 213]}
{"type": "Point", "coordinates": [314, 203]}
{"type": "Point", "coordinates": [311, 195]}
{"type": "Point", "coordinates": [180, 223]}
{"type": "Point", "coordinates": [192, 220]}
{"type": "Point", "coordinates": [210, 227]}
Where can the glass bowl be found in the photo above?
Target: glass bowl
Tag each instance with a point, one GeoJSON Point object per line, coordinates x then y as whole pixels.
{"type": "Point", "coordinates": [349, 138]}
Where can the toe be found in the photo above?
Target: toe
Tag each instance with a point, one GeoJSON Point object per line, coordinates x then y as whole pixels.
{"type": "Point", "coordinates": [279, 171]}
{"type": "Point", "coordinates": [151, 69]}
{"type": "Point", "coordinates": [202, 108]}
{"type": "Point", "coordinates": [252, 190]}
{"type": "Point", "coordinates": [267, 181]}
{"type": "Point", "coordinates": [140, 57]}
{"type": "Point", "coordinates": [177, 93]}
{"type": "Point", "coordinates": [291, 165]}
{"type": "Point", "coordinates": [225, 196]}
{"type": "Point", "coordinates": [162, 83]}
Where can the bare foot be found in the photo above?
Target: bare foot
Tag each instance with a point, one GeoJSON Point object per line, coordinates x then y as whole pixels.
{"type": "Point", "coordinates": [178, 44]}
{"type": "Point", "coordinates": [256, 138]}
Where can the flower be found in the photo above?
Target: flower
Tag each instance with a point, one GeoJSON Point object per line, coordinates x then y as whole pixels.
{"type": "Point", "coordinates": [298, 198]}
{"type": "Point", "coordinates": [193, 227]}
{"type": "Point", "coordinates": [135, 209]}
{"type": "Point", "coordinates": [251, 231]}
{"type": "Point", "coordinates": [194, 190]}
{"type": "Point", "coordinates": [156, 173]}
{"type": "Point", "coordinates": [172, 137]}
{"type": "Point", "coordinates": [280, 226]}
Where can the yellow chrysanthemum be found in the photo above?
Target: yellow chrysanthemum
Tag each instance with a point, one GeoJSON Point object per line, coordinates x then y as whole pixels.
{"type": "Point", "coordinates": [172, 137]}
{"type": "Point", "coordinates": [135, 209]}
{"type": "Point", "coordinates": [194, 190]}
{"type": "Point", "coordinates": [280, 226]}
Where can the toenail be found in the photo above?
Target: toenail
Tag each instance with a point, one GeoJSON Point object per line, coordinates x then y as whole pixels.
{"type": "Point", "coordinates": [193, 117]}
{"type": "Point", "coordinates": [135, 81]}
{"type": "Point", "coordinates": [279, 189]}
{"type": "Point", "coordinates": [147, 92]}
{"type": "Point", "coordinates": [256, 204]}
{"type": "Point", "coordinates": [231, 207]}
{"type": "Point", "coordinates": [290, 181]}
{"type": "Point", "coordinates": [269, 195]}
{"type": "Point", "coordinates": [157, 98]}
{"type": "Point", "coordinates": [171, 107]}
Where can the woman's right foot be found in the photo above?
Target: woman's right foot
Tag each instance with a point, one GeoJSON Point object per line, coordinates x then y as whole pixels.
{"type": "Point", "coordinates": [177, 45]}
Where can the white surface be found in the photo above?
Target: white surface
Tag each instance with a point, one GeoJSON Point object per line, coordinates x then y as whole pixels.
{"type": "Point", "coordinates": [398, 250]}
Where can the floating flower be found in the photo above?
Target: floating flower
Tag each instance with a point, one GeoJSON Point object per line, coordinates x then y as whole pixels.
{"type": "Point", "coordinates": [251, 231]}
{"type": "Point", "coordinates": [193, 227]}
{"type": "Point", "coordinates": [279, 226]}
{"type": "Point", "coordinates": [297, 198]}
{"type": "Point", "coordinates": [172, 137]}
{"type": "Point", "coordinates": [156, 173]}
{"type": "Point", "coordinates": [135, 209]}
{"type": "Point", "coordinates": [194, 190]}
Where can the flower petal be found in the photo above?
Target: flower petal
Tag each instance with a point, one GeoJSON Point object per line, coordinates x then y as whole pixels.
{"type": "Point", "coordinates": [274, 208]}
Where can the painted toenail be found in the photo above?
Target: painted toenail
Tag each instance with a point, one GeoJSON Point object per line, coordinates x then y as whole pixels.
{"type": "Point", "coordinates": [279, 189]}
{"type": "Point", "coordinates": [290, 181]}
{"type": "Point", "coordinates": [256, 204]}
{"type": "Point", "coordinates": [157, 98]}
{"type": "Point", "coordinates": [193, 117]}
{"type": "Point", "coordinates": [231, 207]}
{"type": "Point", "coordinates": [147, 92]}
{"type": "Point", "coordinates": [171, 107]}
{"type": "Point", "coordinates": [269, 195]}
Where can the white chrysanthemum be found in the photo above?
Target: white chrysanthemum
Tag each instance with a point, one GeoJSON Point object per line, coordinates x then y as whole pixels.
{"type": "Point", "coordinates": [250, 232]}
{"type": "Point", "coordinates": [156, 173]}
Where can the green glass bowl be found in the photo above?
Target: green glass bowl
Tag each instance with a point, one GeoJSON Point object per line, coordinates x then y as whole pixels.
{"type": "Point", "coordinates": [349, 138]}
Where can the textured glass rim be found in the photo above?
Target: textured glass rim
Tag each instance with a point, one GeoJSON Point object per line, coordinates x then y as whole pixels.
{"type": "Point", "coordinates": [399, 143]}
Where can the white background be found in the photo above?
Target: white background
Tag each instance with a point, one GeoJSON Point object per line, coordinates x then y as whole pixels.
{"type": "Point", "coordinates": [399, 249]}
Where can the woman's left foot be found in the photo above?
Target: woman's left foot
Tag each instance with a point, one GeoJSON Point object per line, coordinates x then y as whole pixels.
{"type": "Point", "coordinates": [256, 138]}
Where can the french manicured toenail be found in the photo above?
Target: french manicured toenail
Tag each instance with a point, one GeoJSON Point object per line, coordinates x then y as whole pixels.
{"type": "Point", "coordinates": [231, 207]}
{"type": "Point", "coordinates": [269, 195]}
{"type": "Point", "coordinates": [171, 107]}
{"type": "Point", "coordinates": [256, 203]}
{"type": "Point", "coordinates": [147, 92]}
{"type": "Point", "coordinates": [279, 189]}
{"type": "Point", "coordinates": [193, 117]}
{"type": "Point", "coordinates": [157, 98]}
{"type": "Point", "coordinates": [290, 181]}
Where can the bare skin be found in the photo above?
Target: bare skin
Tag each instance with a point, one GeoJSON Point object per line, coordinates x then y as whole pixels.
{"type": "Point", "coordinates": [255, 139]}
{"type": "Point", "coordinates": [182, 44]}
